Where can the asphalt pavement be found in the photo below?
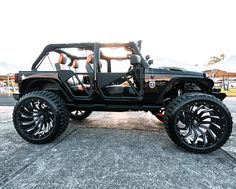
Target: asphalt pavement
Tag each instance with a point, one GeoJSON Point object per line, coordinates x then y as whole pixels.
{"type": "Point", "coordinates": [112, 150]}
{"type": "Point", "coordinates": [7, 101]}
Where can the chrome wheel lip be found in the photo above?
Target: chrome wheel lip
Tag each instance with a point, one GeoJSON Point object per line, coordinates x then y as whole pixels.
{"type": "Point", "coordinates": [195, 125]}
{"type": "Point", "coordinates": [35, 118]}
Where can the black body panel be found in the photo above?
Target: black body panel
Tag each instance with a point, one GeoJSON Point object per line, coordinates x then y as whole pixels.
{"type": "Point", "coordinates": [141, 88]}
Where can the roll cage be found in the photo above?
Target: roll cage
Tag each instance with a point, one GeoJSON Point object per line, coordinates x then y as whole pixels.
{"type": "Point", "coordinates": [111, 86]}
{"type": "Point", "coordinates": [135, 48]}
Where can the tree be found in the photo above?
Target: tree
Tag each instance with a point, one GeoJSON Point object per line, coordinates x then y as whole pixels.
{"type": "Point", "coordinates": [216, 59]}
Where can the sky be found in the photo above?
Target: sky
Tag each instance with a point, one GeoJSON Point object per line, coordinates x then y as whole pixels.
{"type": "Point", "coordinates": [189, 31]}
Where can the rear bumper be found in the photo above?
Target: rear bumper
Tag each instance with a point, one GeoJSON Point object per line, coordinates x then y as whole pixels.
{"type": "Point", "coordinates": [16, 96]}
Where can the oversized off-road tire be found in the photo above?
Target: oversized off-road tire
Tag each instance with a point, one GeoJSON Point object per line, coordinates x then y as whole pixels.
{"type": "Point", "coordinates": [40, 116]}
{"type": "Point", "coordinates": [80, 114]}
{"type": "Point", "coordinates": [198, 122]}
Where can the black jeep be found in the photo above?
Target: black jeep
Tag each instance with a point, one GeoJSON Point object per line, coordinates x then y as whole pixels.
{"type": "Point", "coordinates": [72, 80]}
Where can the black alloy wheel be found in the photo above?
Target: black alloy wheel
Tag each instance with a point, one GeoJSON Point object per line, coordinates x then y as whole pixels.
{"type": "Point", "coordinates": [198, 122]}
{"type": "Point", "coordinates": [40, 117]}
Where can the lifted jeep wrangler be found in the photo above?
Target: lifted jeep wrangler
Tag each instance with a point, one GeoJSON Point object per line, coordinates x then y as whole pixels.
{"type": "Point", "coordinates": [72, 80]}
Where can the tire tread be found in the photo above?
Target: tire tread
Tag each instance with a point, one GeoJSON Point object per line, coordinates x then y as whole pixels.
{"type": "Point", "coordinates": [58, 103]}
{"type": "Point", "coordinates": [177, 103]}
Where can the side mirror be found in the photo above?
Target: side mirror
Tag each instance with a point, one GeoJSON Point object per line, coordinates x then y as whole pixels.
{"type": "Point", "coordinates": [150, 61]}
{"type": "Point", "coordinates": [135, 60]}
{"type": "Point", "coordinates": [147, 57]}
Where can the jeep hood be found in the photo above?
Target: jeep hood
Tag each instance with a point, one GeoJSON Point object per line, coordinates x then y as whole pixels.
{"type": "Point", "coordinates": [174, 71]}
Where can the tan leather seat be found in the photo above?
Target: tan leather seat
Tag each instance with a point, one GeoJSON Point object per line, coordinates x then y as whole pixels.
{"type": "Point", "coordinates": [89, 61]}
{"type": "Point", "coordinates": [61, 62]}
{"type": "Point", "coordinates": [75, 64]}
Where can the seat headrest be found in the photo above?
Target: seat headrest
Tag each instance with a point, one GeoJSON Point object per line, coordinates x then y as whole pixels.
{"type": "Point", "coordinates": [62, 59]}
{"type": "Point", "coordinates": [75, 64]}
{"type": "Point", "coordinates": [89, 59]}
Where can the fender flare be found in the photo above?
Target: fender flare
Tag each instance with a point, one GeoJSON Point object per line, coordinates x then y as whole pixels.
{"type": "Point", "coordinates": [204, 83]}
{"type": "Point", "coordinates": [57, 86]}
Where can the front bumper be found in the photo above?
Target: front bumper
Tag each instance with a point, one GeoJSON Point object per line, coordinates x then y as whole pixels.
{"type": "Point", "coordinates": [220, 96]}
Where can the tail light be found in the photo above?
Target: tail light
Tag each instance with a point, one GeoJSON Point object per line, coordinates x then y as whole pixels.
{"type": "Point", "coordinates": [15, 77]}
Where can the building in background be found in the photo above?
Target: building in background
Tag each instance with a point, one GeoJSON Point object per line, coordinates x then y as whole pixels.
{"type": "Point", "coordinates": [7, 84]}
{"type": "Point", "coordinates": [223, 71]}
